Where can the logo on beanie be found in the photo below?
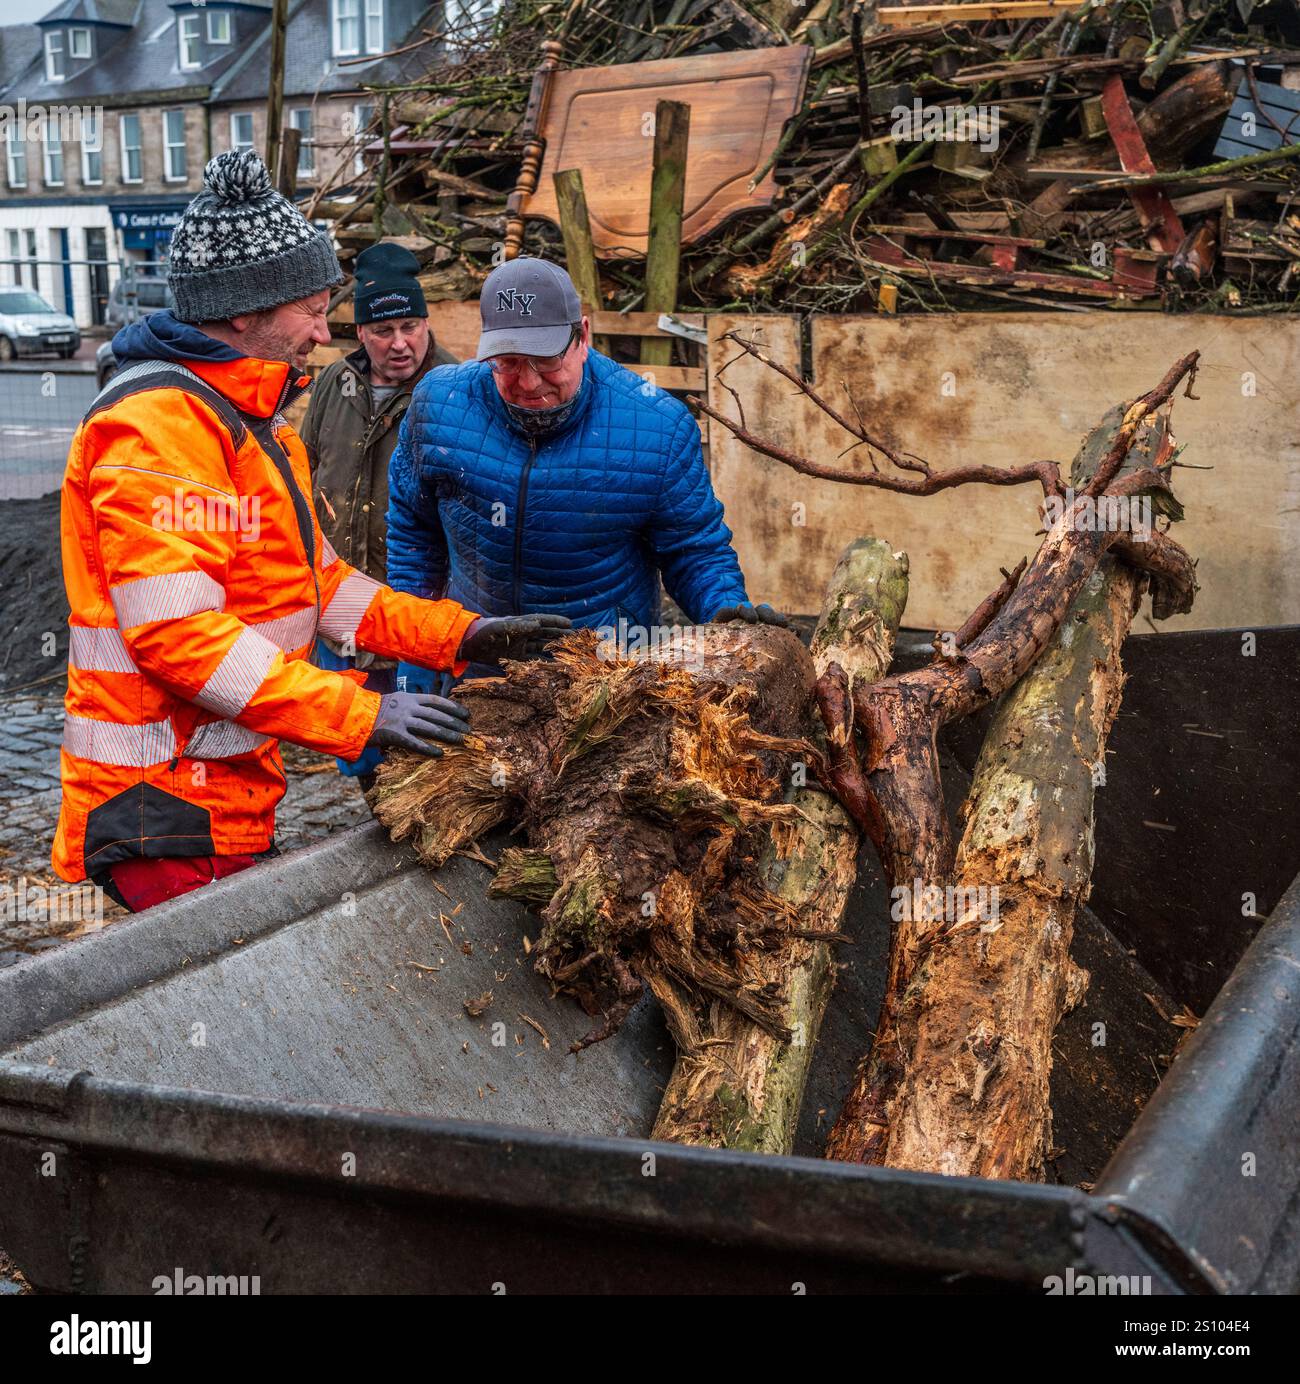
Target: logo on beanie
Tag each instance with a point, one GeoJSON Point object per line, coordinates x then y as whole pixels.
{"type": "Point", "coordinates": [390, 298]}
{"type": "Point", "coordinates": [508, 299]}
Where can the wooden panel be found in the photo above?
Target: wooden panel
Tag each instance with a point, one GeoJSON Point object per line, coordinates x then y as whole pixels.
{"type": "Point", "coordinates": [907, 16]}
{"type": "Point", "coordinates": [1001, 388]}
{"type": "Point", "coordinates": [639, 323]}
{"type": "Point", "coordinates": [1251, 129]}
{"type": "Point", "coordinates": [601, 119]}
{"type": "Point", "coordinates": [671, 376]}
{"type": "Point", "coordinates": [456, 326]}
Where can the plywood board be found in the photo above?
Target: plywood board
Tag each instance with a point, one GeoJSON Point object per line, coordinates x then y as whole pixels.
{"type": "Point", "coordinates": [456, 327]}
{"type": "Point", "coordinates": [601, 120]}
{"type": "Point", "coordinates": [1002, 388]}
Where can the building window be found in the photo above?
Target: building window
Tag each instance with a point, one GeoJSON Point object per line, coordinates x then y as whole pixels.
{"type": "Point", "coordinates": [300, 120]}
{"type": "Point", "coordinates": [174, 146]}
{"type": "Point", "coordinates": [374, 26]}
{"type": "Point", "coordinates": [20, 272]}
{"type": "Point", "coordinates": [16, 150]}
{"type": "Point", "coordinates": [55, 70]}
{"type": "Point", "coordinates": [218, 26]}
{"type": "Point", "coordinates": [129, 136]}
{"type": "Point", "coordinates": [53, 154]}
{"type": "Point", "coordinates": [347, 28]}
{"type": "Point", "coordinates": [362, 115]}
{"type": "Point", "coordinates": [79, 43]}
{"type": "Point", "coordinates": [355, 20]}
{"type": "Point", "coordinates": [187, 29]}
{"type": "Point", "coordinates": [241, 131]}
{"type": "Point", "coordinates": [92, 150]}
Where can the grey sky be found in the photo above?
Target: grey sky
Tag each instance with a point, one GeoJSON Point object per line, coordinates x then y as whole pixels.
{"type": "Point", "coordinates": [25, 11]}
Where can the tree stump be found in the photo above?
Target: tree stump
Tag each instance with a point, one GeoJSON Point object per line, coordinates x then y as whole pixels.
{"type": "Point", "coordinates": [645, 786]}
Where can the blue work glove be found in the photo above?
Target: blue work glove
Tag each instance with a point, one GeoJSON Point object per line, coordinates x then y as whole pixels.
{"type": "Point", "coordinates": [490, 639]}
{"type": "Point", "coordinates": [750, 615]}
{"type": "Point", "coordinates": [410, 720]}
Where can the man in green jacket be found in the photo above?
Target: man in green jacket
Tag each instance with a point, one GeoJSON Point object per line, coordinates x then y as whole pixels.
{"type": "Point", "coordinates": [350, 431]}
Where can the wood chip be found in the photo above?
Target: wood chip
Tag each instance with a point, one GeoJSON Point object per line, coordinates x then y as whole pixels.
{"type": "Point", "coordinates": [532, 1023]}
{"type": "Point", "coordinates": [475, 1007]}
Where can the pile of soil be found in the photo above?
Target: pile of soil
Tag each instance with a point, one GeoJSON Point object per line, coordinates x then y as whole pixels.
{"type": "Point", "coordinates": [33, 605]}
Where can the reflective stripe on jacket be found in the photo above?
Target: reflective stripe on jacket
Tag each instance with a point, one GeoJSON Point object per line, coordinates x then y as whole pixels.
{"type": "Point", "coordinates": [198, 581]}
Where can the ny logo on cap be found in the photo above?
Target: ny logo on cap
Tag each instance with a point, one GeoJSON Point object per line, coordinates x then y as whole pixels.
{"type": "Point", "coordinates": [508, 299]}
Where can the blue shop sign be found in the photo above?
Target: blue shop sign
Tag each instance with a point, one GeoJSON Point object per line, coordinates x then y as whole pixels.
{"type": "Point", "coordinates": [145, 228]}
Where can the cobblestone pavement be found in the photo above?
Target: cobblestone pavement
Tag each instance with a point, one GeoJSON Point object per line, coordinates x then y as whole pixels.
{"type": "Point", "coordinates": [30, 731]}
{"type": "Point", "coordinates": [319, 799]}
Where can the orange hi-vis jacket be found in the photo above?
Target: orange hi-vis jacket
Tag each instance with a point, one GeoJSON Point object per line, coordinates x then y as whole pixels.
{"type": "Point", "coordinates": [198, 581]}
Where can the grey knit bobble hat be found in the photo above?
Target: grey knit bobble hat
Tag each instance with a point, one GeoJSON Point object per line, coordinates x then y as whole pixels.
{"type": "Point", "coordinates": [242, 247]}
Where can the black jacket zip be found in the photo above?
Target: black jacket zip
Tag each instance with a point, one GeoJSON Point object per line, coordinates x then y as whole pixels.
{"type": "Point", "coordinates": [521, 500]}
{"type": "Point", "coordinates": [301, 504]}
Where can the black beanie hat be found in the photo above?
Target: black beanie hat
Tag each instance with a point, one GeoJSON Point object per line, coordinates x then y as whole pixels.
{"type": "Point", "coordinates": [387, 285]}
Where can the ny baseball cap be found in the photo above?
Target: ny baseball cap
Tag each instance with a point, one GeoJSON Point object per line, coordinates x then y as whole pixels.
{"type": "Point", "coordinates": [528, 307]}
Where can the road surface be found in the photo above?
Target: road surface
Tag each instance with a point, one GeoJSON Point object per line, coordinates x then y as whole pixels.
{"type": "Point", "coordinates": [39, 412]}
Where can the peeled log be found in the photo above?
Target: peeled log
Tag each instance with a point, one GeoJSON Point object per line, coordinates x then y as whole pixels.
{"type": "Point", "coordinates": [742, 1086]}
{"type": "Point", "coordinates": [975, 1100]}
{"type": "Point", "coordinates": [975, 999]}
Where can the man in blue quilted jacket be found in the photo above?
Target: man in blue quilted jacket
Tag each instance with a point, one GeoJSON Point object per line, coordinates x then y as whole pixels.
{"type": "Point", "coordinates": [543, 477]}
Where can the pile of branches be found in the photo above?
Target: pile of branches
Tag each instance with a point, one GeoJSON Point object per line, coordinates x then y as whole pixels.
{"type": "Point", "coordinates": [867, 216]}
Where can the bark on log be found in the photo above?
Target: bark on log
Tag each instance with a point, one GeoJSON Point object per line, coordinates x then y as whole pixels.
{"type": "Point", "coordinates": [667, 200]}
{"type": "Point", "coordinates": [956, 1080]}
{"type": "Point", "coordinates": [975, 1100]}
{"type": "Point", "coordinates": [742, 1087]}
{"type": "Point", "coordinates": [579, 253]}
{"type": "Point", "coordinates": [646, 784]}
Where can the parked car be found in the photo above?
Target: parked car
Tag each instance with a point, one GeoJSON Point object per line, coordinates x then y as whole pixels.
{"type": "Point", "coordinates": [105, 363]}
{"type": "Point", "coordinates": [136, 296]}
{"type": "Point", "coordinates": [30, 326]}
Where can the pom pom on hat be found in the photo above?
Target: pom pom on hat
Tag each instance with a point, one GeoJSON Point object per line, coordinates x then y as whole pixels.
{"type": "Point", "coordinates": [237, 176]}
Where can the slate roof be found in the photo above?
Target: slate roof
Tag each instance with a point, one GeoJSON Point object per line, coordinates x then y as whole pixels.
{"type": "Point", "coordinates": [20, 46]}
{"type": "Point", "coordinates": [92, 12]}
{"type": "Point", "coordinates": [310, 67]}
{"type": "Point", "coordinates": [143, 58]}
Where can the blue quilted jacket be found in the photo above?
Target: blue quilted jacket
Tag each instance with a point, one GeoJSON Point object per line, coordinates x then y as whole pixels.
{"type": "Point", "coordinates": [579, 522]}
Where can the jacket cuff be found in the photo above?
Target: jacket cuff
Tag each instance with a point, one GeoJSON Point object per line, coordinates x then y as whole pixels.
{"type": "Point", "coordinates": [442, 642]}
{"type": "Point", "coordinates": [362, 715]}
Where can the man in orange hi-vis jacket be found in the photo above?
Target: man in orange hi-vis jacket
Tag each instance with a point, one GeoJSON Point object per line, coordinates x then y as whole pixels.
{"type": "Point", "coordinates": [198, 579]}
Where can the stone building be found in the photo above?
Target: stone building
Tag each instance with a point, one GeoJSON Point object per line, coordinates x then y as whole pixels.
{"type": "Point", "coordinates": [111, 109]}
